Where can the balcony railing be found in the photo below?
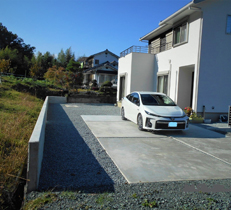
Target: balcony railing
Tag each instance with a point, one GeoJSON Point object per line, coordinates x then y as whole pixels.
{"type": "Point", "coordinates": [139, 49]}
{"type": "Point", "coordinates": [146, 49]}
{"type": "Point", "coordinates": [161, 48]}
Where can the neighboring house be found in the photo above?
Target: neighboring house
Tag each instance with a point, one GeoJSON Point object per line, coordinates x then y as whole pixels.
{"type": "Point", "coordinates": [188, 57]}
{"type": "Point", "coordinates": [82, 61]}
{"type": "Point", "coordinates": [102, 66]}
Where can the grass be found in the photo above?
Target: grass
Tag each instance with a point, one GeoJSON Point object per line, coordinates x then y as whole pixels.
{"type": "Point", "coordinates": [18, 115]}
{"type": "Point", "coordinates": [103, 198]}
{"type": "Point", "coordinates": [151, 204]}
{"type": "Point", "coordinates": [40, 202]}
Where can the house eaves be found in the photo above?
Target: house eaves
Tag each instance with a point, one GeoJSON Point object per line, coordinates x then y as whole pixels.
{"type": "Point", "coordinates": [169, 21]}
{"type": "Point", "coordinates": [105, 51]}
{"type": "Point", "coordinates": [103, 65]}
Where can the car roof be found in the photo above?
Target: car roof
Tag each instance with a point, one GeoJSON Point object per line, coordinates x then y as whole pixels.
{"type": "Point", "coordinates": [148, 92]}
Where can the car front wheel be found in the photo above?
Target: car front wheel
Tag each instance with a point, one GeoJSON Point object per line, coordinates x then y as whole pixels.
{"type": "Point", "coordinates": [140, 122]}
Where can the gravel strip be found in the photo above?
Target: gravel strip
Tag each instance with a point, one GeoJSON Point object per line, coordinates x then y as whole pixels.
{"type": "Point", "coordinates": [80, 175]}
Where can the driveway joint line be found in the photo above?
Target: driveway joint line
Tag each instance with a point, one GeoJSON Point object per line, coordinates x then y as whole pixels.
{"type": "Point", "coordinates": [202, 151]}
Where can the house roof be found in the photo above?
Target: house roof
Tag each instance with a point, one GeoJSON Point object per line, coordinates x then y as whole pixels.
{"type": "Point", "coordinates": [105, 51]}
{"type": "Point", "coordinates": [167, 23]}
{"type": "Point", "coordinates": [81, 59]}
{"type": "Point", "coordinates": [106, 64]}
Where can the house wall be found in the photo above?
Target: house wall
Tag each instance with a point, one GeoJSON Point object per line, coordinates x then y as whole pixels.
{"type": "Point", "coordinates": [124, 69]}
{"type": "Point", "coordinates": [181, 56]}
{"type": "Point", "coordinates": [215, 63]}
{"type": "Point", "coordinates": [138, 69]}
{"type": "Point", "coordinates": [102, 57]}
{"type": "Point", "coordinates": [142, 72]}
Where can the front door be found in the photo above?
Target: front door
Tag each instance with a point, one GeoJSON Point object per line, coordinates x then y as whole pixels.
{"type": "Point", "coordinates": [122, 88]}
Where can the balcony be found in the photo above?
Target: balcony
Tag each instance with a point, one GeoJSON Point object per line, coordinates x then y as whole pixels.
{"type": "Point", "coordinates": [147, 49]}
{"type": "Point", "coordinates": [139, 49]}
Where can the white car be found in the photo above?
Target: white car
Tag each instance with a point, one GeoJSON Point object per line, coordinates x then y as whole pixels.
{"type": "Point", "coordinates": [153, 111]}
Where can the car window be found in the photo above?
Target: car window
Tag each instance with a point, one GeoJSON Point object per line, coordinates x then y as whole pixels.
{"type": "Point", "coordinates": [136, 99]}
{"type": "Point", "coordinates": [129, 97]}
{"type": "Point", "coordinates": [156, 100]}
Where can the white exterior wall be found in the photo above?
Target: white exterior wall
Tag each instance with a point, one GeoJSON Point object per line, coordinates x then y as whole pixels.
{"type": "Point", "coordinates": [124, 69]}
{"type": "Point", "coordinates": [142, 77]}
{"type": "Point", "coordinates": [215, 64]}
{"type": "Point", "coordinates": [180, 56]}
{"type": "Point", "coordinates": [138, 69]}
{"type": "Point", "coordinates": [102, 57]}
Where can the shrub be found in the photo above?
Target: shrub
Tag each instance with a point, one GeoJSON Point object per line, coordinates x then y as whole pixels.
{"type": "Point", "coordinates": [106, 84]}
{"type": "Point", "coordinates": [94, 88]}
{"type": "Point", "coordinates": [188, 110]}
{"type": "Point", "coordinates": [93, 83]}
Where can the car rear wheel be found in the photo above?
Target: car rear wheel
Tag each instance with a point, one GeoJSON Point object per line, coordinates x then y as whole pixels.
{"type": "Point", "coordinates": [140, 122]}
{"type": "Point", "coordinates": [123, 114]}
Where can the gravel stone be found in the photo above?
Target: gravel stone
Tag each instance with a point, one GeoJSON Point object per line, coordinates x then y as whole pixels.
{"type": "Point", "coordinates": [75, 163]}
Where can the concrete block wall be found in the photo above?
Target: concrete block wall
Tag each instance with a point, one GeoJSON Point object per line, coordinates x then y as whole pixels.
{"type": "Point", "coordinates": [36, 144]}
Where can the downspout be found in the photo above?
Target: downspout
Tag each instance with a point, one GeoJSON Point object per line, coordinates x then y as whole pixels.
{"type": "Point", "coordinates": [198, 65]}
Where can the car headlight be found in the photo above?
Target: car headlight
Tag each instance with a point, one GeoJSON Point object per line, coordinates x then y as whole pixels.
{"type": "Point", "coordinates": [149, 113]}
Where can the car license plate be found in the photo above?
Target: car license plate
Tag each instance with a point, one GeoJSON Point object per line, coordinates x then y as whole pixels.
{"type": "Point", "coordinates": [172, 124]}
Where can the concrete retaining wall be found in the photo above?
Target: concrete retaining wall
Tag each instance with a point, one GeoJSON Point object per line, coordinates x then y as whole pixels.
{"type": "Point", "coordinates": [36, 144]}
{"type": "Point", "coordinates": [92, 99]}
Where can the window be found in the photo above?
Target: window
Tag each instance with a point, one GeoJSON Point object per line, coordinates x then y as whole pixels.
{"type": "Point", "coordinates": [101, 78]}
{"type": "Point", "coordinates": [156, 100]}
{"type": "Point", "coordinates": [180, 34]}
{"type": "Point", "coordinates": [130, 97]}
{"type": "Point", "coordinates": [162, 85]}
{"type": "Point", "coordinates": [228, 25]}
{"type": "Point", "coordinates": [96, 61]}
{"type": "Point", "coordinates": [136, 99]}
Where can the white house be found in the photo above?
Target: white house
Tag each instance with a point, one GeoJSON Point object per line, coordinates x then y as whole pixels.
{"type": "Point", "coordinates": [102, 66]}
{"type": "Point", "coordinates": [188, 57]}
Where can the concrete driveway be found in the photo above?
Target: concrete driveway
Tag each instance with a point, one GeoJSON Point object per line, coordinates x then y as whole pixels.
{"type": "Point", "coordinates": [142, 156]}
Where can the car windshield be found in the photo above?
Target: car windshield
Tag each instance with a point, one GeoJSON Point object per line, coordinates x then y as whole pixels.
{"type": "Point", "coordinates": [156, 100]}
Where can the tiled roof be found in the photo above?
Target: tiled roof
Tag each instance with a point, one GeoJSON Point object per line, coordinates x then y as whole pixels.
{"type": "Point", "coordinates": [105, 64]}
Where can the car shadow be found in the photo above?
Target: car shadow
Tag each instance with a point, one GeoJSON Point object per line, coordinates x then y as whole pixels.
{"type": "Point", "coordinates": [68, 162]}
{"type": "Point", "coordinates": [194, 131]}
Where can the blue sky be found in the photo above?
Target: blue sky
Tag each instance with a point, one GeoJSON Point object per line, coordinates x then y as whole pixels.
{"type": "Point", "coordinates": [87, 26]}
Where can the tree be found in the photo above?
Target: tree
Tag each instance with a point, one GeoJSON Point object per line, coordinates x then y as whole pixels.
{"type": "Point", "coordinates": [24, 51]}
{"type": "Point", "coordinates": [4, 65]}
{"type": "Point", "coordinates": [69, 56]}
{"type": "Point", "coordinates": [61, 58]}
{"type": "Point", "coordinates": [73, 66]}
{"type": "Point", "coordinates": [56, 74]}
{"type": "Point", "coordinates": [65, 57]}
{"type": "Point", "coordinates": [12, 56]}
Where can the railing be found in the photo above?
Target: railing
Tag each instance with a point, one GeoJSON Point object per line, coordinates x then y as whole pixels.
{"type": "Point", "coordinates": [161, 48]}
{"type": "Point", "coordinates": [147, 49]}
{"type": "Point", "coordinates": [139, 49]}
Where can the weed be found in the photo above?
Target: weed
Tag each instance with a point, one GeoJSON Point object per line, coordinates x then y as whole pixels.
{"type": "Point", "coordinates": [69, 195]}
{"type": "Point", "coordinates": [134, 195]}
{"type": "Point", "coordinates": [212, 200]}
{"type": "Point", "coordinates": [40, 201]}
{"type": "Point", "coordinates": [103, 198]}
{"type": "Point", "coordinates": [149, 204]}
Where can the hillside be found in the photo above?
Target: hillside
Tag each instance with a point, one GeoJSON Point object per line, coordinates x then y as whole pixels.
{"type": "Point", "coordinates": [18, 115]}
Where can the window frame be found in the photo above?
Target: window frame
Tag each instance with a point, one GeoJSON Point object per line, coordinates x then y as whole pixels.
{"type": "Point", "coordinates": [164, 88]}
{"type": "Point", "coordinates": [136, 96]}
{"type": "Point", "coordinates": [228, 22]}
{"type": "Point", "coordinates": [180, 25]}
{"type": "Point", "coordinates": [96, 61]}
